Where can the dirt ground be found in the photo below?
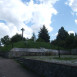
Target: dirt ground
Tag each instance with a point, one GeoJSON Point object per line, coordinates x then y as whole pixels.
{"type": "Point", "coordinates": [9, 68]}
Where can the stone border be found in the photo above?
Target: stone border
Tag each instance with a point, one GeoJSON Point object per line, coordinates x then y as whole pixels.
{"type": "Point", "coordinates": [49, 69]}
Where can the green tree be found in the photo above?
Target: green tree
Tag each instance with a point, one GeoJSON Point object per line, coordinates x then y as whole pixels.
{"type": "Point", "coordinates": [5, 40]}
{"type": "Point", "coordinates": [75, 42]}
{"type": "Point", "coordinates": [70, 41]}
{"type": "Point", "coordinates": [43, 34]}
{"type": "Point", "coordinates": [62, 34]}
{"type": "Point", "coordinates": [16, 38]}
{"type": "Point", "coordinates": [60, 40]}
{"type": "Point", "coordinates": [65, 40]}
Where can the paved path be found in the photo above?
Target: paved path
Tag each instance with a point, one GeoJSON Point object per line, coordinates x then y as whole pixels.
{"type": "Point", "coordinates": [9, 68]}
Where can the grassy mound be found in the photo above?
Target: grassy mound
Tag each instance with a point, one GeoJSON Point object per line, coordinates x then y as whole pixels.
{"type": "Point", "coordinates": [28, 44]}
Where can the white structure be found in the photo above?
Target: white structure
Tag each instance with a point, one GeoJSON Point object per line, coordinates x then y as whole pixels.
{"type": "Point", "coordinates": [17, 52]}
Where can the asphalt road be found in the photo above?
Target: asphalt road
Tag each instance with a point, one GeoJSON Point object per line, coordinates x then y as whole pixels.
{"type": "Point", "coordinates": [9, 68]}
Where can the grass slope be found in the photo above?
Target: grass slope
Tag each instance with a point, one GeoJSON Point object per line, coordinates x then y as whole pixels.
{"type": "Point", "coordinates": [28, 44]}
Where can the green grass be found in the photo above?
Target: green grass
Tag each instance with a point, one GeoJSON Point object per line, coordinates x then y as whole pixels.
{"type": "Point", "coordinates": [20, 44]}
{"type": "Point", "coordinates": [28, 44]}
{"type": "Point", "coordinates": [38, 45]}
{"type": "Point", "coordinates": [65, 58]}
{"type": "Point", "coordinates": [31, 44]}
{"type": "Point", "coordinates": [39, 57]}
{"type": "Point", "coordinates": [51, 58]}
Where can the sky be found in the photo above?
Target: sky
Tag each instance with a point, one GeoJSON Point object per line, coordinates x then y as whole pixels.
{"type": "Point", "coordinates": [33, 14]}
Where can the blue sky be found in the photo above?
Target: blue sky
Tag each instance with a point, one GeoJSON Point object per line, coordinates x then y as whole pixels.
{"type": "Point", "coordinates": [63, 18]}
{"type": "Point", "coordinates": [32, 14]}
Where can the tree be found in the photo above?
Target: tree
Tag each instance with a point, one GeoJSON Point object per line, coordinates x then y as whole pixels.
{"type": "Point", "coordinates": [65, 40]}
{"type": "Point", "coordinates": [43, 34]}
{"type": "Point", "coordinates": [16, 38]}
{"type": "Point", "coordinates": [75, 42]}
{"type": "Point", "coordinates": [70, 41]}
{"type": "Point", "coordinates": [5, 40]}
{"type": "Point", "coordinates": [62, 34]}
{"type": "Point", "coordinates": [61, 38]}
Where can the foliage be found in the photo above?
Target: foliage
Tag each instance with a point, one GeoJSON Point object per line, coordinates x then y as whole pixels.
{"type": "Point", "coordinates": [6, 48]}
{"type": "Point", "coordinates": [16, 38]}
{"type": "Point", "coordinates": [65, 40]}
{"type": "Point", "coordinates": [5, 40]}
{"type": "Point", "coordinates": [62, 34]}
{"type": "Point", "coordinates": [43, 34]}
{"type": "Point", "coordinates": [62, 41]}
{"type": "Point", "coordinates": [40, 40]}
{"type": "Point", "coordinates": [70, 41]}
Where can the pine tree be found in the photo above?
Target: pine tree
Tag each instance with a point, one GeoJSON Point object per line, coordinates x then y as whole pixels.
{"type": "Point", "coordinates": [43, 34]}
{"type": "Point", "coordinates": [62, 34]}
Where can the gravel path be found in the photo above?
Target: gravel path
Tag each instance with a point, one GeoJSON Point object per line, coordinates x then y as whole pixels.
{"type": "Point", "coordinates": [9, 68]}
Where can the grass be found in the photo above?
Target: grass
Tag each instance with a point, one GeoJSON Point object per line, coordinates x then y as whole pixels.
{"type": "Point", "coordinates": [28, 44]}
{"type": "Point", "coordinates": [42, 58]}
{"type": "Point", "coordinates": [9, 47]}
{"type": "Point", "coordinates": [38, 57]}
{"type": "Point", "coordinates": [31, 44]}
{"type": "Point", "coordinates": [65, 58]}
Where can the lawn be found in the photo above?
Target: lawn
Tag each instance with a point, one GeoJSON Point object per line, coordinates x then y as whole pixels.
{"type": "Point", "coordinates": [63, 57]}
{"type": "Point", "coordinates": [28, 44]}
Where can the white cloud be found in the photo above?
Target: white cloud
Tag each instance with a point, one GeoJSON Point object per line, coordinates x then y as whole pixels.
{"type": "Point", "coordinates": [15, 13]}
{"type": "Point", "coordinates": [3, 29]}
{"type": "Point", "coordinates": [73, 5]}
{"type": "Point", "coordinates": [76, 21]}
{"type": "Point", "coordinates": [42, 15]}
{"type": "Point", "coordinates": [7, 29]}
{"type": "Point", "coordinates": [71, 32]}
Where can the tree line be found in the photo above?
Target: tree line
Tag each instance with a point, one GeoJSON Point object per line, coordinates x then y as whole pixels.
{"type": "Point", "coordinates": [63, 39]}
{"type": "Point", "coordinates": [43, 36]}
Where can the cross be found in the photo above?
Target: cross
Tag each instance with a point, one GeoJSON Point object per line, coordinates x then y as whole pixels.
{"type": "Point", "coordinates": [22, 32]}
